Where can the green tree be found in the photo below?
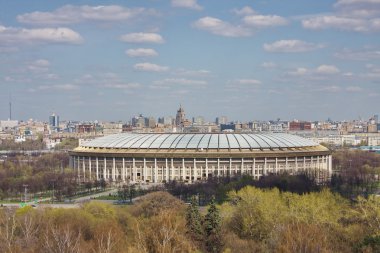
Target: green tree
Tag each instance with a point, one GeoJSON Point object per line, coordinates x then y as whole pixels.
{"type": "Point", "coordinates": [213, 229]}
{"type": "Point", "coordinates": [194, 220]}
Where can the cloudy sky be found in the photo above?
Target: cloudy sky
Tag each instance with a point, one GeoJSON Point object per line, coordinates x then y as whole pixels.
{"type": "Point", "coordinates": [246, 59]}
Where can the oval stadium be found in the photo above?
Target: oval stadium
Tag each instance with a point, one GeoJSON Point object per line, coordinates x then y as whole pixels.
{"type": "Point", "coordinates": [188, 157]}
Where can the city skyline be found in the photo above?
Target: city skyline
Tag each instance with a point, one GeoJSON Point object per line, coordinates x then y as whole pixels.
{"type": "Point", "coordinates": [242, 59]}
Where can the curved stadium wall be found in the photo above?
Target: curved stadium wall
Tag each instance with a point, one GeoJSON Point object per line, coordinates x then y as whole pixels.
{"type": "Point", "coordinates": [129, 157]}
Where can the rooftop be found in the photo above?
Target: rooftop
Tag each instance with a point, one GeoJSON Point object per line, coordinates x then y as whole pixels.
{"type": "Point", "coordinates": [200, 141]}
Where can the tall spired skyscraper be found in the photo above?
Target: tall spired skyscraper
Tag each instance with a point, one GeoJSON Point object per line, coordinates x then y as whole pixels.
{"type": "Point", "coordinates": [180, 117]}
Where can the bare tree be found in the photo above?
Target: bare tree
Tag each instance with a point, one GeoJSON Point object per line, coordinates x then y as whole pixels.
{"type": "Point", "coordinates": [8, 225]}
{"type": "Point", "coordinates": [61, 240]}
{"type": "Point", "coordinates": [29, 224]}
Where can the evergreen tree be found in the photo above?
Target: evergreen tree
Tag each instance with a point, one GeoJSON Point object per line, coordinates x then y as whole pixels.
{"type": "Point", "coordinates": [194, 220]}
{"type": "Point", "coordinates": [212, 227]}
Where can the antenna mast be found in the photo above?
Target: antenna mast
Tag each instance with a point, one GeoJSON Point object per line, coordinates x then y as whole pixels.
{"type": "Point", "coordinates": [10, 106]}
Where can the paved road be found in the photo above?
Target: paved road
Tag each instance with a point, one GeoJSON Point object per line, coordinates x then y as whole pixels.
{"type": "Point", "coordinates": [95, 195]}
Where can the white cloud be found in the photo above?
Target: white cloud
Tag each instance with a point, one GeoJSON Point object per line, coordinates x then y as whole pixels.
{"type": "Point", "coordinates": [70, 14]}
{"type": "Point", "coordinates": [186, 72]}
{"type": "Point", "coordinates": [328, 89]}
{"type": "Point", "coordinates": [248, 81]}
{"type": "Point", "coordinates": [142, 38]}
{"type": "Point", "coordinates": [299, 72]}
{"type": "Point", "coordinates": [350, 15]}
{"type": "Point", "coordinates": [359, 55]}
{"type": "Point", "coordinates": [342, 23]}
{"type": "Point", "coordinates": [40, 65]}
{"type": "Point", "coordinates": [265, 20]}
{"type": "Point", "coordinates": [348, 74]}
{"type": "Point", "coordinates": [358, 8]}
{"type": "Point", "coordinates": [268, 65]}
{"type": "Point", "coordinates": [246, 10]}
{"type": "Point", "coordinates": [170, 83]}
{"type": "Point", "coordinates": [327, 69]}
{"type": "Point", "coordinates": [315, 73]}
{"type": "Point", "coordinates": [180, 81]}
{"type": "Point", "coordinates": [190, 4]}
{"type": "Point", "coordinates": [291, 46]}
{"type": "Point", "coordinates": [220, 27]}
{"type": "Point", "coordinates": [122, 85]}
{"type": "Point", "coordinates": [141, 52]}
{"type": "Point", "coordinates": [61, 87]}
{"type": "Point", "coordinates": [150, 67]}
{"type": "Point", "coordinates": [9, 35]}
{"type": "Point", "coordinates": [354, 89]}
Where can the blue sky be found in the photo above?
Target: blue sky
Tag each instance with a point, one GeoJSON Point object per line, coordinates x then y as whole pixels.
{"type": "Point", "coordinates": [111, 60]}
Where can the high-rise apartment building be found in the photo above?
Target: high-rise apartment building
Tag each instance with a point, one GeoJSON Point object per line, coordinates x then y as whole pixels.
{"type": "Point", "coordinates": [54, 122]}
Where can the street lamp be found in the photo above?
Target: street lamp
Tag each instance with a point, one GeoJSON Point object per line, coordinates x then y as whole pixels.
{"type": "Point", "coordinates": [25, 191]}
{"type": "Point", "coordinates": [52, 198]}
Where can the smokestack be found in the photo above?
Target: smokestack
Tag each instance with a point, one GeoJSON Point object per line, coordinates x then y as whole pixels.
{"type": "Point", "coordinates": [10, 107]}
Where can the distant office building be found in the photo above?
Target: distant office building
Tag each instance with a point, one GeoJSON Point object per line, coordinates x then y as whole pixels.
{"type": "Point", "coordinates": [167, 121]}
{"type": "Point", "coordinates": [54, 122]}
{"type": "Point", "coordinates": [198, 120]}
{"type": "Point", "coordinates": [8, 124]}
{"type": "Point", "coordinates": [299, 126]}
{"type": "Point", "coordinates": [221, 120]}
{"type": "Point", "coordinates": [180, 117]}
{"type": "Point", "coordinates": [138, 121]}
{"type": "Point", "coordinates": [85, 128]}
{"type": "Point", "coordinates": [150, 122]}
{"type": "Point", "coordinates": [224, 127]}
{"type": "Point", "coordinates": [373, 128]}
{"type": "Point", "coordinates": [376, 118]}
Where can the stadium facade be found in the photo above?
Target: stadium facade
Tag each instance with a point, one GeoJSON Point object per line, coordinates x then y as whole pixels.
{"type": "Point", "coordinates": [188, 157]}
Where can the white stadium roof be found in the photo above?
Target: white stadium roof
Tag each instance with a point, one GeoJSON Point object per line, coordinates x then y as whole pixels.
{"type": "Point", "coordinates": [199, 141]}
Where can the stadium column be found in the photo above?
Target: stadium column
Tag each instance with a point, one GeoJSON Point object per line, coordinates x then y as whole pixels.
{"type": "Point", "coordinates": [296, 164]}
{"type": "Point", "coordinates": [166, 171]}
{"type": "Point", "coordinates": [105, 169]}
{"type": "Point", "coordinates": [74, 163]}
{"type": "Point", "coordinates": [206, 168]}
{"type": "Point", "coordinates": [318, 167]}
{"type": "Point", "coordinates": [286, 164]}
{"type": "Point", "coordinates": [318, 162]}
{"type": "Point", "coordinates": [97, 168]}
{"type": "Point", "coordinates": [182, 173]}
{"type": "Point", "coordinates": [265, 167]}
{"type": "Point", "coordinates": [144, 171]}
{"type": "Point", "coordinates": [113, 170]}
{"type": "Point", "coordinates": [78, 168]}
{"type": "Point", "coordinates": [218, 167]}
{"type": "Point", "coordinates": [230, 169]}
{"type": "Point", "coordinates": [84, 168]}
{"type": "Point", "coordinates": [89, 167]}
{"type": "Point", "coordinates": [242, 165]}
{"type": "Point", "coordinates": [330, 165]}
{"type": "Point", "coordinates": [195, 170]}
{"type": "Point", "coordinates": [134, 172]}
{"type": "Point", "coordinates": [124, 172]}
{"type": "Point", "coordinates": [276, 168]}
{"type": "Point", "coordinates": [155, 171]}
{"type": "Point", "coordinates": [172, 169]}
{"type": "Point", "coordinates": [254, 167]}
{"type": "Point", "coordinates": [304, 163]}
